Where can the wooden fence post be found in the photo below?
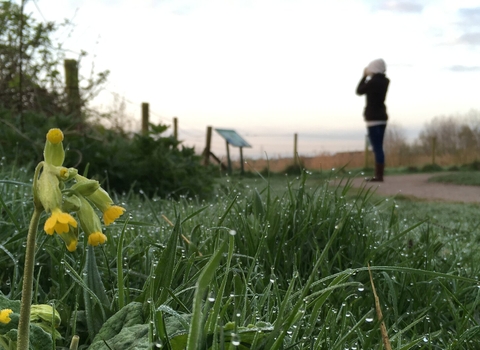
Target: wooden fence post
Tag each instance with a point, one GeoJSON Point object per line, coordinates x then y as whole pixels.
{"type": "Point", "coordinates": [295, 152]}
{"type": "Point", "coordinates": [242, 171]}
{"type": "Point", "coordinates": [175, 128]}
{"type": "Point", "coordinates": [145, 118]}
{"type": "Point", "coordinates": [206, 152]}
{"type": "Point", "coordinates": [72, 90]}
{"type": "Point", "coordinates": [229, 167]}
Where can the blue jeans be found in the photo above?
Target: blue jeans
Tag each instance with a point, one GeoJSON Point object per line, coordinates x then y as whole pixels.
{"type": "Point", "coordinates": [376, 134]}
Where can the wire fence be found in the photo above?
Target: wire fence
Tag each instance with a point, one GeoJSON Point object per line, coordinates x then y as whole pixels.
{"type": "Point", "coordinates": [315, 151]}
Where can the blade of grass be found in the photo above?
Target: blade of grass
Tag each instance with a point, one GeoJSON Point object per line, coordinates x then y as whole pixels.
{"type": "Point", "coordinates": [120, 281]}
{"type": "Point", "coordinates": [383, 327]}
{"type": "Point", "coordinates": [212, 317]}
{"type": "Point", "coordinates": [163, 273]}
{"type": "Point", "coordinates": [195, 333]}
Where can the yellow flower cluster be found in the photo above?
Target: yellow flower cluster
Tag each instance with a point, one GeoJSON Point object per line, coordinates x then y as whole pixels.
{"type": "Point", "coordinates": [5, 316]}
{"type": "Point", "coordinates": [57, 200]}
{"type": "Point", "coordinates": [59, 222]}
{"type": "Point", "coordinates": [96, 238]}
{"type": "Point", "coordinates": [112, 213]}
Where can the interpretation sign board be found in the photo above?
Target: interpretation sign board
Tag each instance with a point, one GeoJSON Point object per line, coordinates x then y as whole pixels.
{"type": "Point", "coordinates": [233, 138]}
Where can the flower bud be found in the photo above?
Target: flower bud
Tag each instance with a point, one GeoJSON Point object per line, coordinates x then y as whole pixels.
{"type": "Point", "coordinates": [53, 152]}
{"type": "Point", "coordinates": [90, 223]}
{"type": "Point", "coordinates": [71, 203]}
{"type": "Point", "coordinates": [86, 188]}
{"type": "Point", "coordinates": [48, 188]}
{"type": "Point", "coordinates": [70, 238]}
{"type": "Point", "coordinates": [103, 202]}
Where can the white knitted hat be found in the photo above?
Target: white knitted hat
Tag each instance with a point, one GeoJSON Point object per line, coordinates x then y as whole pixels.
{"type": "Point", "coordinates": [376, 66]}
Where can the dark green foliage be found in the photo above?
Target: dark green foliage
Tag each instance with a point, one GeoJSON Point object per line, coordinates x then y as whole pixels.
{"type": "Point", "coordinates": [25, 148]}
{"type": "Point", "coordinates": [431, 168]}
{"type": "Point", "coordinates": [151, 163]}
{"type": "Point", "coordinates": [155, 165]}
{"type": "Point", "coordinates": [33, 86]}
{"type": "Point", "coordinates": [31, 66]}
{"type": "Point", "coordinates": [412, 169]}
{"type": "Point", "coordinates": [293, 169]}
{"type": "Point", "coordinates": [471, 166]}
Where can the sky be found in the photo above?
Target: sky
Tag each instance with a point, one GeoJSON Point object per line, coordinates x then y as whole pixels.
{"type": "Point", "coordinates": [270, 69]}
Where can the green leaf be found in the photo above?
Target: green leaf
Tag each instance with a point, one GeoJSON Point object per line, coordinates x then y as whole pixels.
{"type": "Point", "coordinates": [93, 281]}
{"type": "Point", "coordinates": [124, 327]}
{"type": "Point", "coordinates": [164, 271]}
{"type": "Point", "coordinates": [207, 274]}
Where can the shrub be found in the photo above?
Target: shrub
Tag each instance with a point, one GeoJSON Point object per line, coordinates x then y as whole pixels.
{"type": "Point", "coordinates": [431, 167]}
{"type": "Point", "coordinates": [150, 163]}
{"type": "Point", "coordinates": [412, 169]}
{"type": "Point", "coordinates": [123, 161]}
{"type": "Point", "coordinates": [472, 166]}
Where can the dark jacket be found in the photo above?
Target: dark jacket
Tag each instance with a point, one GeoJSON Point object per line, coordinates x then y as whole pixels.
{"type": "Point", "coordinates": [375, 90]}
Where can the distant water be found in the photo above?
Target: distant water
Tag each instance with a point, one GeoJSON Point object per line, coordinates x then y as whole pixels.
{"type": "Point", "coordinates": [281, 145]}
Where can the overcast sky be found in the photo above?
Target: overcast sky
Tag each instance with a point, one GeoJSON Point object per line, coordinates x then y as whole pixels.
{"type": "Point", "coordinates": [272, 68]}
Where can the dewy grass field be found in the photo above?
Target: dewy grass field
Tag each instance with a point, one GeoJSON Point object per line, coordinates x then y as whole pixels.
{"type": "Point", "coordinates": [269, 263]}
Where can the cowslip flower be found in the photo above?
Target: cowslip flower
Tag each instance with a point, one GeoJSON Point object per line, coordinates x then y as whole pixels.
{"type": "Point", "coordinates": [5, 316]}
{"type": "Point", "coordinates": [49, 190]}
{"type": "Point", "coordinates": [53, 152]}
{"type": "Point", "coordinates": [90, 223]}
{"type": "Point", "coordinates": [65, 226]}
{"type": "Point", "coordinates": [59, 222]}
{"type": "Point", "coordinates": [96, 238]}
{"type": "Point", "coordinates": [71, 239]}
{"type": "Point", "coordinates": [103, 202]}
{"type": "Point", "coordinates": [58, 200]}
{"type": "Point", "coordinates": [112, 213]}
{"type": "Point", "coordinates": [51, 194]}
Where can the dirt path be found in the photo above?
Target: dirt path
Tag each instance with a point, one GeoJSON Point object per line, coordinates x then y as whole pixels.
{"type": "Point", "coordinates": [416, 185]}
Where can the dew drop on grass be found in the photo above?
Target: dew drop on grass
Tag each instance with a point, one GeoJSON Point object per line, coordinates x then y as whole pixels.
{"type": "Point", "coordinates": [235, 339]}
{"type": "Point", "coordinates": [369, 319]}
{"type": "Point", "coordinates": [232, 232]}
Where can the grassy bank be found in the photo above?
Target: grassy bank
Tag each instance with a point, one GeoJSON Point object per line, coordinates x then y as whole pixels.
{"type": "Point", "coordinates": [272, 263]}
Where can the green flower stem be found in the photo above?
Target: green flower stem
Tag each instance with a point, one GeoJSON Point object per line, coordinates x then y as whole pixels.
{"type": "Point", "coordinates": [23, 335]}
{"type": "Point", "coordinates": [24, 321]}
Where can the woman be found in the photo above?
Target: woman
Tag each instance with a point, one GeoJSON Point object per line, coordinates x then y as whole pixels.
{"type": "Point", "coordinates": [374, 85]}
